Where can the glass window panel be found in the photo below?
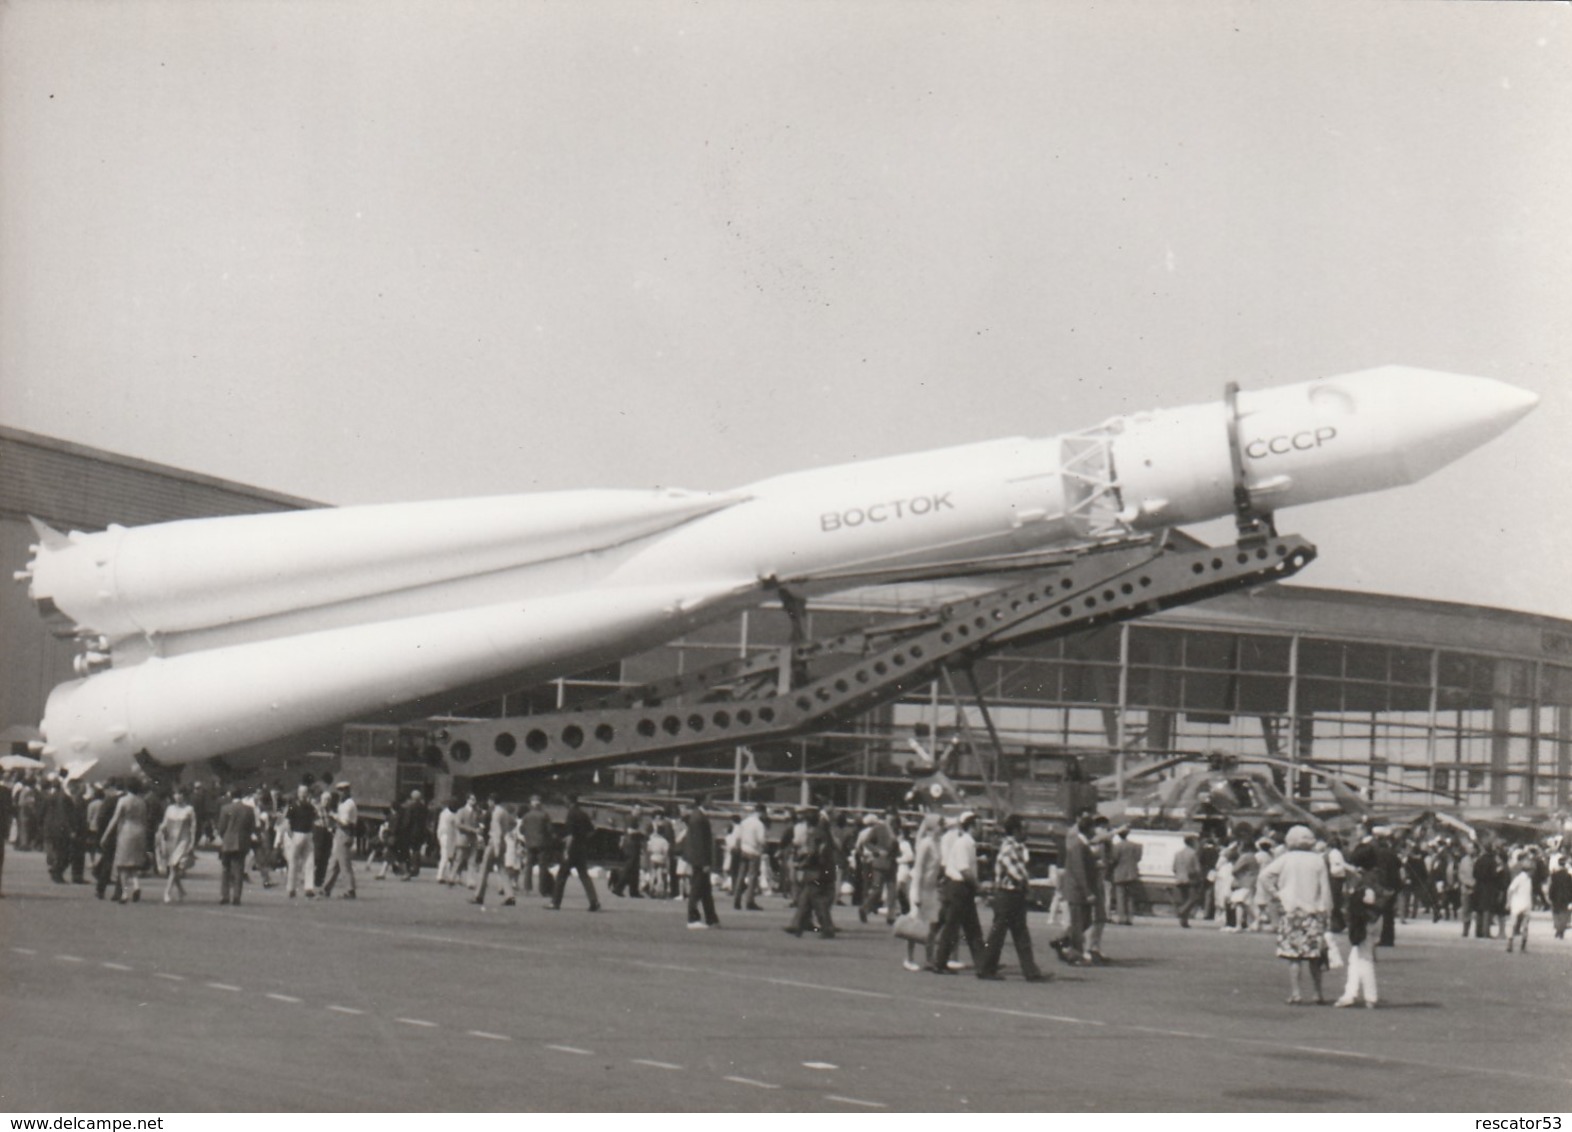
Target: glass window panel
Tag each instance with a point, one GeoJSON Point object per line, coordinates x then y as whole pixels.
{"type": "Point", "coordinates": [1411, 666]}
{"type": "Point", "coordinates": [1263, 695]}
{"type": "Point", "coordinates": [1517, 679]}
{"type": "Point", "coordinates": [1154, 646]}
{"type": "Point", "coordinates": [1364, 662]}
{"type": "Point", "coordinates": [1264, 654]}
{"type": "Point", "coordinates": [1211, 650]}
{"type": "Point", "coordinates": [1320, 695]}
{"type": "Point", "coordinates": [1455, 670]}
{"type": "Point", "coordinates": [1094, 645]}
{"type": "Point", "coordinates": [1404, 699]}
{"type": "Point", "coordinates": [1211, 692]}
{"type": "Point", "coordinates": [1029, 681]}
{"type": "Point", "coordinates": [1555, 684]}
{"type": "Point", "coordinates": [1320, 658]}
{"type": "Point", "coordinates": [1461, 699]}
{"type": "Point", "coordinates": [1154, 687]}
{"type": "Point", "coordinates": [1364, 696]}
{"type": "Point", "coordinates": [1091, 684]}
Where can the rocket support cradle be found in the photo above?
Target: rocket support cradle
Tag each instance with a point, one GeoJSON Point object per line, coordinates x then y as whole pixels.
{"type": "Point", "coordinates": [686, 713]}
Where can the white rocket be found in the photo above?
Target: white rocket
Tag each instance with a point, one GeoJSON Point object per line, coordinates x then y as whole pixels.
{"type": "Point", "coordinates": [207, 637]}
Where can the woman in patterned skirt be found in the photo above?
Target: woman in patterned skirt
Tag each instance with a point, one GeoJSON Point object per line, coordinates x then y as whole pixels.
{"type": "Point", "coordinates": [1301, 884]}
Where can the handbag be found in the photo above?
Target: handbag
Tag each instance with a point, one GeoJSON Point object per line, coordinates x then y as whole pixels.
{"type": "Point", "coordinates": [910, 928]}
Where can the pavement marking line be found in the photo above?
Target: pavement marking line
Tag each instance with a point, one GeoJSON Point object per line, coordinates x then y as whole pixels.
{"type": "Point", "coordinates": [1338, 1053]}
{"type": "Point", "coordinates": [573, 1049]}
{"type": "Point", "coordinates": [222, 986]}
{"type": "Point", "coordinates": [416, 1022]}
{"type": "Point", "coordinates": [282, 997]}
{"type": "Point", "coordinates": [654, 1064]}
{"type": "Point", "coordinates": [24, 951]}
{"type": "Point", "coordinates": [425, 937]}
{"type": "Point", "coordinates": [854, 1100]}
{"type": "Point", "coordinates": [751, 1082]}
{"type": "Point", "coordinates": [345, 1010]}
{"type": "Point", "coordinates": [116, 966]}
{"type": "Point", "coordinates": [652, 966]}
{"type": "Point", "coordinates": [490, 1037]}
{"type": "Point", "coordinates": [810, 986]}
{"type": "Point", "coordinates": [986, 1009]}
{"type": "Point", "coordinates": [70, 959]}
{"type": "Point", "coordinates": [819, 1065]}
{"type": "Point", "coordinates": [1166, 1033]}
{"type": "Point", "coordinates": [167, 975]}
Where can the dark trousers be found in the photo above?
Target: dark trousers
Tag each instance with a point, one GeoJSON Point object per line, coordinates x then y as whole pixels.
{"type": "Point", "coordinates": [1482, 914]}
{"type": "Point", "coordinates": [57, 855]}
{"type": "Point", "coordinates": [321, 855]}
{"type": "Point", "coordinates": [960, 917]}
{"type": "Point", "coordinates": [541, 856]}
{"type": "Point", "coordinates": [1189, 901]}
{"type": "Point", "coordinates": [700, 897]}
{"type": "Point", "coordinates": [560, 885]}
{"type": "Point", "coordinates": [1009, 918]}
{"type": "Point", "coordinates": [409, 858]}
{"type": "Point", "coordinates": [104, 872]}
{"type": "Point", "coordinates": [879, 883]}
{"type": "Point", "coordinates": [233, 863]}
{"type": "Point", "coordinates": [813, 902]}
{"type": "Point", "coordinates": [746, 886]}
{"type": "Point", "coordinates": [625, 881]}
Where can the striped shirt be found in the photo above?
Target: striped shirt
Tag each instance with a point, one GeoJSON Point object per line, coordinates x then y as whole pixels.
{"type": "Point", "coordinates": [1010, 866]}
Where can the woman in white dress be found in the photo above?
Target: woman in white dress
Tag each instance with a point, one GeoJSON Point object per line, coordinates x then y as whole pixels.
{"type": "Point", "coordinates": [924, 892]}
{"type": "Point", "coordinates": [177, 837]}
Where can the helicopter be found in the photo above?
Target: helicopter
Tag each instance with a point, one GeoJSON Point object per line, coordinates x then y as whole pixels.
{"type": "Point", "coordinates": [1224, 794]}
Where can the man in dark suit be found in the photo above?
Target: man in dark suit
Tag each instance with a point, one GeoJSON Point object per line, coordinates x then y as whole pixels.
{"type": "Point", "coordinates": [76, 798]}
{"type": "Point", "coordinates": [814, 868]}
{"type": "Point", "coordinates": [699, 849]}
{"type": "Point", "coordinates": [409, 837]}
{"type": "Point", "coordinates": [237, 824]}
{"type": "Point", "coordinates": [579, 830]}
{"type": "Point", "coordinates": [104, 866]}
{"type": "Point", "coordinates": [55, 819]}
{"type": "Point", "coordinates": [1126, 859]}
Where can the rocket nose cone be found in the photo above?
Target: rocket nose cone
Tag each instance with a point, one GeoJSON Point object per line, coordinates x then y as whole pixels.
{"type": "Point", "coordinates": [1452, 414]}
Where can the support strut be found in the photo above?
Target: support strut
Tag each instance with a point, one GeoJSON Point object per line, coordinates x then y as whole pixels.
{"type": "Point", "coordinates": [741, 701]}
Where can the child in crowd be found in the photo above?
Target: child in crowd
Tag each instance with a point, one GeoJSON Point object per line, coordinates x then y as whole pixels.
{"type": "Point", "coordinates": [1362, 903]}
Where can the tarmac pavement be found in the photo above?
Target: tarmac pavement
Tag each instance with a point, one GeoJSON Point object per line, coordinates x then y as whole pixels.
{"type": "Point", "coordinates": [411, 999]}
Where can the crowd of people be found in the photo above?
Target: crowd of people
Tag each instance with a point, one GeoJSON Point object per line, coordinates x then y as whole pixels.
{"type": "Point", "coordinates": [1319, 895]}
{"type": "Point", "coordinates": [1330, 904]}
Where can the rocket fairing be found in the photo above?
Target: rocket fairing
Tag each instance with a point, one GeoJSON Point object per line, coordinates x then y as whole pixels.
{"type": "Point", "coordinates": [211, 636]}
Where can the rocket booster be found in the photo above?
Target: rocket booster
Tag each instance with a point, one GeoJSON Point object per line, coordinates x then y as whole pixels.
{"type": "Point", "coordinates": [209, 636]}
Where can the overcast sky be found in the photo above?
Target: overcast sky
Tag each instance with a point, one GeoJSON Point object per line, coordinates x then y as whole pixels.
{"type": "Point", "coordinates": [368, 251]}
